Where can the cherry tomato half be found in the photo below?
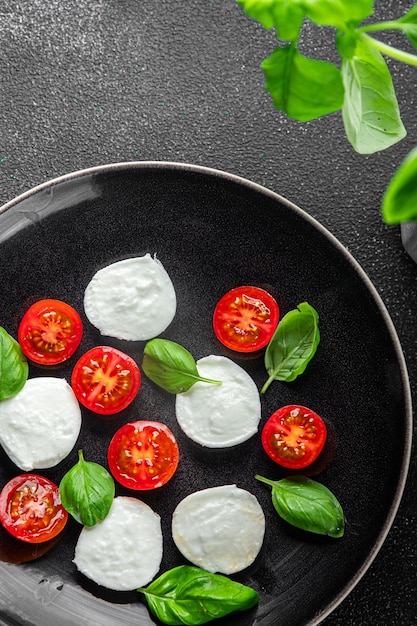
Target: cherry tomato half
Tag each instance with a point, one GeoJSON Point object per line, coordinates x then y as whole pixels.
{"type": "Point", "coordinates": [105, 380]}
{"type": "Point", "coordinates": [245, 319]}
{"type": "Point", "coordinates": [31, 509]}
{"type": "Point", "coordinates": [143, 455]}
{"type": "Point", "coordinates": [294, 436]}
{"type": "Point", "coordinates": [50, 332]}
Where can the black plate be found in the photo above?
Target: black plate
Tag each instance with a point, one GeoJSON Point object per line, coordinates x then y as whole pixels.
{"type": "Point", "coordinates": [213, 231]}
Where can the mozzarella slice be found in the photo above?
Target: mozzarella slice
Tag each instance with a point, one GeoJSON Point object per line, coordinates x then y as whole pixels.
{"type": "Point", "coordinates": [124, 551]}
{"type": "Point", "coordinates": [40, 425]}
{"type": "Point", "coordinates": [220, 529]}
{"type": "Point", "coordinates": [133, 299]}
{"type": "Point", "coordinates": [218, 416]}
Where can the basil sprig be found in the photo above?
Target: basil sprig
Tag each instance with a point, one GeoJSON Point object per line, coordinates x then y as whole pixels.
{"type": "Point", "coordinates": [193, 596]}
{"type": "Point", "coordinates": [14, 368]}
{"type": "Point", "coordinates": [307, 504]}
{"type": "Point", "coordinates": [293, 345]}
{"type": "Point", "coordinates": [171, 366]}
{"type": "Point", "coordinates": [87, 491]}
{"type": "Point", "coordinates": [307, 88]}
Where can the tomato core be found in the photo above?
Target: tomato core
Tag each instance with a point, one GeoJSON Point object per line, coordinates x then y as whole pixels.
{"type": "Point", "coordinates": [294, 436]}
{"type": "Point", "coordinates": [245, 319]}
{"type": "Point", "coordinates": [31, 509]}
{"type": "Point", "coordinates": [105, 380]}
{"type": "Point", "coordinates": [143, 455]}
{"type": "Point", "coordinates": [50, 332]}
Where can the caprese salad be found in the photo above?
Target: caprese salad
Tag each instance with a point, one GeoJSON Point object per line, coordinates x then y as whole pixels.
{"type": "Point", "coordinates": [219, 530]}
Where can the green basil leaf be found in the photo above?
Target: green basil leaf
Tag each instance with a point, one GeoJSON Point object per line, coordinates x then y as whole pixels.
{"type": "Point", "coordinates": [301, 87]}
{"type": "Point", "coordinates": [346, 41]}
{"type": "Point", "coordinates": [87, 491]}
{"type": "Point", "coordinates": [370, 111]}
{"type": "Point", "coordinates": [190, 595]}
{"type": "Point", "coordinates": [14, 369]}
{"type": "Point", "coordinates": [293, 345]}
{"type": "Point", "coordinates": [399, 203]}
{"type": "Point", "coordinates": [171, 366]}
{"type": "Point", "coordinates": [338, 13]}
{"type": "Point", "coordinates": [286, 16]}
{"type": "Point", "coordinates": [307, 504]}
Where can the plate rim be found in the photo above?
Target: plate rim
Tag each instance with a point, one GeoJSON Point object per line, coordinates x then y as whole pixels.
{"type": "Point", "coordinates": [408, 416]}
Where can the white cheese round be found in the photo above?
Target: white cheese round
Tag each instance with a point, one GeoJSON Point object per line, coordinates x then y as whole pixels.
{"type": "Point", "coordinates": [218, 416]}
{"type": "Point", "coordinates": [124, 551]}
{"type": "Point", "coordinates": [40, 425]}
{"type": "Point", "coordinates": [133, 299]}
{"type": "Point", "coordinates": [220, 529]}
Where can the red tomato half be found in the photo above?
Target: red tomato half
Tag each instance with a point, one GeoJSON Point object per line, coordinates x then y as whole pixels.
{"type": "Point", "coordinates": [50, 332]}
{"type": "Point", "coordinates": [105, 380]}
{"type": "Point", "coordinates": [31, 509]}
{"type": "Point", "coordinates": [245, 319]}
{"type": "Point", "coordinates": [294, 436]}
{"type": "Point", "coordinates": [143, 455]}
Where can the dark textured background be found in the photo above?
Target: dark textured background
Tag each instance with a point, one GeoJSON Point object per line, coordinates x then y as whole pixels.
{"type": "Point", "coordinates": [87, 83]}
